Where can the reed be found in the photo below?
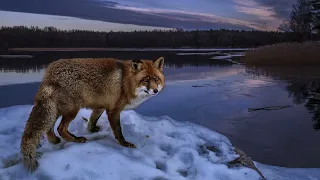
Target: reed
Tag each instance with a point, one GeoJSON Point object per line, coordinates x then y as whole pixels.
{"type": "Point", "coordinates": [285, 54]}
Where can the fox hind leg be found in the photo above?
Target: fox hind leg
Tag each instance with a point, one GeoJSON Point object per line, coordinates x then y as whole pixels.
{"type": "Point", "coordinates": [92, 124]}
{"type": "Point", "coordinates": [63, 128]}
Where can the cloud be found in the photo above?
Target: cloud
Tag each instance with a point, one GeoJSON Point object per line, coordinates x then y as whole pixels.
{"type": "Point", "coordinates": [267, 8]}
{"type": "Point", "coordinates": [66, 23]}
{"type": "Point", "coordinates": [261, 13]}
{"type": "Point", "coordinates": [251, 7]}
{"type": "Point", "coordinates": [269, 12]}
{"type": "Point", "coordinates": [126, 13]}
{"type": "Point", "coordinates": [281, 7]}
{"type": "Point", "coordinates": [192, 16]}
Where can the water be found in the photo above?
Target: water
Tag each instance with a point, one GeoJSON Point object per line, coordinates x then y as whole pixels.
{"type": "Point", "coordinates": [214, 93]}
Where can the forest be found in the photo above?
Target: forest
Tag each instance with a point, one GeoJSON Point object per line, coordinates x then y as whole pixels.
{"type": "Point", "coordinates": [28, 37]}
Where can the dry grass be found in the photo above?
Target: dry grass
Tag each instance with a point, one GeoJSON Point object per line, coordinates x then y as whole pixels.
{"type": "Point", "coordinates": [285, 54]}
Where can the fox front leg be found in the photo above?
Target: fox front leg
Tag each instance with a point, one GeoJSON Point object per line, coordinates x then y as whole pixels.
{"type": "Point", "coordinates": [114, 120]}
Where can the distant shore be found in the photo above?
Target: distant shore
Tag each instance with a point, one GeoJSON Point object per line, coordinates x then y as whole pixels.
{"type": "Point", "coordinates": [125, 49]}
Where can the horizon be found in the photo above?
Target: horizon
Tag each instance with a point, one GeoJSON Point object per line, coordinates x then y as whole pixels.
{"type": "Point", "coordinates": [101, 15]}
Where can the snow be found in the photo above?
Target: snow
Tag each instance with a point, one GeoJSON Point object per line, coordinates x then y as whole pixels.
{"type": "Point", "coordinates": [166, 149]}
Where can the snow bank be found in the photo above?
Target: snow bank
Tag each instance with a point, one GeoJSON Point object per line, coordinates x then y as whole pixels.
{"type": "Point", "coordinates": [166, 149]}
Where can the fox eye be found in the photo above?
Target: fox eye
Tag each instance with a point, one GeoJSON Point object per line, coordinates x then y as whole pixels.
{"type": "Point", "coordinates": [156, 78]}
{"type": "Point", "coordinates": [146, 79]}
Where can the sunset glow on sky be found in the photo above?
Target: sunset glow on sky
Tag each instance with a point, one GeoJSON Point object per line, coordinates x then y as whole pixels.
{"type": "Point", "coordinates": [139, 14]}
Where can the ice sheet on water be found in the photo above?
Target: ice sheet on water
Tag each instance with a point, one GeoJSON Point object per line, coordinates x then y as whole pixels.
{"type": "Point", "coordinates": [166, 149]}
{"type": "Point", "coordinates": [199, 53]}
{"type": "Point", "coordinates": [282, 173]}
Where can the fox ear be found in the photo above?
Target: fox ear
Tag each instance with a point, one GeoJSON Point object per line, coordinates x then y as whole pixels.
{"type": "Point", "coordinates": [136, 64]}
{"type": "Point", "coordinates": [159, 63]}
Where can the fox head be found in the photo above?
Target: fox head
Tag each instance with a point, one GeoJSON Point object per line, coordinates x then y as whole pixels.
{"type": "Point", "coordinates": [148, 76]}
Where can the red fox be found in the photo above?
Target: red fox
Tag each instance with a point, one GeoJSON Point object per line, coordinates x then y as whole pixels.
{"type": "Point", "coordinates": [99, 84]}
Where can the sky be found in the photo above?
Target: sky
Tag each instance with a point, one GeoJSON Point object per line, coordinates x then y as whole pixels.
{"type": "Point", "coordinates": [129, 15]}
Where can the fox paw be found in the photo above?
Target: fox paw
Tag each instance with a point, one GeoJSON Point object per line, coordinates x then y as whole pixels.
{"type": "Point", "coordinates": [80, 139]}
{"type": "Point", "coordinates": [94, 129]}
{"type": "Point", "coordinates": [127, 144]}
{"type": "Point", "coordinates": [55, 141]}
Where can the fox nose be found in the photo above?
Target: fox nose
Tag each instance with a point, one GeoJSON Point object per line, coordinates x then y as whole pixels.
{"type": "Point", "coordinates": [155, 91]}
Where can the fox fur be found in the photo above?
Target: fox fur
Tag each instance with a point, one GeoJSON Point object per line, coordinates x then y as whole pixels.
{"type": "Point", "coordinates": [102, 84]}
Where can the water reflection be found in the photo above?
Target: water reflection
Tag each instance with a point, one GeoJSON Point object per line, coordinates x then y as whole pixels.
{"type": "Point", "coordinates": [303, 86]}
{"type": "Point", "coordinates": [26, 70]}
{"type": "Point", "coordinates": [308, 92]}
{"type": "Point", "coordinates": [41, 59]}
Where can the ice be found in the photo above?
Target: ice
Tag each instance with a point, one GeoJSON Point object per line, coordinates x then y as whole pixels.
{"type": "Point", "coordinates": [227, 57]}
{"type": "Point", "coordinates": [199, 53]}
{"type": "Point", "coordinates": [166, 149]}
{"type": "Point", "coordinates": [282, 173]}
{"type": "Point", "coordinates": [10, 78]}
{"type": "Point", "coordinates": [16, 56]}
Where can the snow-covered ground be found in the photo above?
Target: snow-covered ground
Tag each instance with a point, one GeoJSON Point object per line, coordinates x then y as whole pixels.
{"type": "Point", "coordinates": [166, 149]}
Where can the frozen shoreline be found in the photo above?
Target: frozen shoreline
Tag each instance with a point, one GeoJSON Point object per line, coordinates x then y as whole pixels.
{"type": "Point", "coordinates": [128, 49]}
{"type": "Point", "coordinates": [166, 149]}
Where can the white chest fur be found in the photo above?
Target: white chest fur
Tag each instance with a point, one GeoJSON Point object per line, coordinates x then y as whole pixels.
{"type": "Point", "coordinates": [136, 102]}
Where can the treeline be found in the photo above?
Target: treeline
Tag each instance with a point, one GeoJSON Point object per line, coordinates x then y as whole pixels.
{"type": "Point", "coordinates": [22, 37]}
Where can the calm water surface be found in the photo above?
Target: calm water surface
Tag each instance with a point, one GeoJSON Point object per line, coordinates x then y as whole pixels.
{"type": "Point", "coordinates": [214, 93]}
